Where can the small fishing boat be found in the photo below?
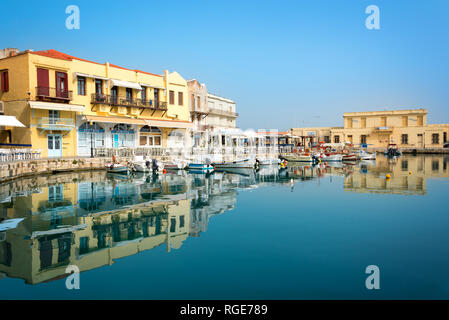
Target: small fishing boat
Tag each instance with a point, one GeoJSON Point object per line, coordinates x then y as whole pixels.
{"type": "Point", "coordinates": [349, 157]}
{"type": "Point", "coordinates": [175, 165]}
{"type": "Point", "coordinates": [333, 157]}
{"type": "Point", "coordinates": [116, 168]}
{"type": "Point", "coordinates": [245, 163]}
{"type": "Point", "coordinates": [140, 164]}
{"type": "Point", "coordinates": [269, 161]}
{"type": "Point", "coordinates": [392, 150]}
{"type": "Point", "coordinates": [200, 168]}
{"type": "Point", "coordinates": [364, 155]}
{"type": "Point", "coordinates": [305, 157]}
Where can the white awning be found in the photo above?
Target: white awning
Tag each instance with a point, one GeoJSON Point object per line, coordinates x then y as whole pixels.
{"type": "Point", "coordinates": [56, 106]}
{"type": "Point", "coordinates": [169, 124]}
{"type": "Point", "coordinates": [151, 86]}
{"type": "Point", "coordinates": [125, 84]}
{"type": "Point", "coordinates": [10, 121]}
{"type": "Point", "coordinates": [79, 74]}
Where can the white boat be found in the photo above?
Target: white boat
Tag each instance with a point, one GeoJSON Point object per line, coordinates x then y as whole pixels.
{"type": "Point", "coordinates": [350, 157]}
{"type": "Point", "coordinates": [269, 161]}
{"type": "Point", "coordinates": [116, 168]}
{"type": "Point", "coordinates": [140, 164]}
{"type": "Point", "coordinates": [245, 163]}
{"type": "Point", "coordinates": [200, 168]}
{"type": "Point", "coordinates": [334, 157]}
{"type": "Point", "coordinates": [364, 155]}
{"type": "Point", "coordinates": [305, 157]}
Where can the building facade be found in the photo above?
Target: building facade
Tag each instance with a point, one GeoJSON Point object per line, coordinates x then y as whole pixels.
{"type": "Point", "coordinates": [71, 106]}
{"type": "Point", "coordinates": [222, 112]}
{"type": "Point", "coordinates": [406, 128]}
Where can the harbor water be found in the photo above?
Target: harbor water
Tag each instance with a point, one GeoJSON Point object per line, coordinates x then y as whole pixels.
{"type": "Point", "coordinates": [304, 232]}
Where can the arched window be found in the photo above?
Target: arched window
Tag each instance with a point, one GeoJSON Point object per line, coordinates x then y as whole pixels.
{"type": "Point", "coordinates": [122, 136]}
{"type": "Point", "coordinates": [148, 129]}
{"type": "Point", "coordinates": [90, 136]}
{"type": "Point", "coordinates": [87, 127]}
{"type": "Point", "coordinates": [175, 139]}
{"type": "Point", "coordinates": [122, 128]}
{"type": "Point", "coordinates": [150, 137]}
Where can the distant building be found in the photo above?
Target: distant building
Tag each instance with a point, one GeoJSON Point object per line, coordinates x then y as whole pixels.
{"type": "Point", "coordinates": [222, 112]}
{"type": "Point", "coordinates": [376, 129]}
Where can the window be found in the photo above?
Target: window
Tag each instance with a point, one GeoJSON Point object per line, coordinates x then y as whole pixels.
{"type": "Point", "coordinates": [363, 139]}
{"type": "Point", "coordinates": [383, 121]}
{"type": "Point", "coordinates": [420, 120]}
{"type": "Point", "coordinates": [98, 86]}
{"type": "Point", "coordinates": [336, 139]}
{"type": "Point", "coordinates": [81, 86]}
{"type": "Point", "coordinates": [350, 138]}
{"type": "Point", "coordinates": [150, 137]}
{"type": "Point", "coordinates": [84, 245]}
{"type": "Point", "coordinates": [444, 137]}
{"type": "Point", "coordinates": [404, 139]}
{"type": "Point", "coordinates": [404, 165]}
{"type": "Point", "coordinates": [172, 97]}
{"type": "Point", "coordinates": [435, 138]}
{"type": "Point", "coordinates": [53, 116]}
{"type": "Point", "coordinates": [180, 98]}
{"type": "Point", "coordinates": [349, 121]}
{"type": "Point", "coordinates": [327, 139]}
{"type": "Point", "coordinates": [129, 94]}
{"type": "Point", "coordinates": [143, 94]}
{"type": "Point", "coordinates": [4, 81]}
{"type": "Point", "coordinates": [435, 165]}
{"type": "Point", "coordinates": [199, 102]}
{"type": "Point", "coordinates": [405, 121]}
{"type": "Point", "coordinates": [363, 125]}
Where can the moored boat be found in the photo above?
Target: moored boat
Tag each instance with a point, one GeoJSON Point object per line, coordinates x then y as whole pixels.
{"type": "Point", "coordinates": [116, 168]}
{"type": "Point", "coordinates": [364, 155]}
{"type": "Point", "coordinates": [349, 157]}
{"type": "Point", "coordinates": [200, 168]}
{"type": "Point", "coordinates": [305, 157]}
{"type": "Point", "coordinates": [245, 163]}
{"type": "Point", "coordinates": [334, 157]}
{"type": "Point", "coordinates": [140, 164]}
{"type": "Point", "coordinates": [392, 150]}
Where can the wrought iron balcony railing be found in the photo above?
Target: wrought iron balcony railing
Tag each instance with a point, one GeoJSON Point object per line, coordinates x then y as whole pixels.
{"type": "Point", "coordinates": [112, 100]}
{"type": "Point", "coordinates": [53, 93]}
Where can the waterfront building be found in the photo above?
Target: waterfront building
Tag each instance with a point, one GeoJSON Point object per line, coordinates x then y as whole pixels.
{"type": "Point", "coordinates": [376, 129]}
{"type": "Point", "coordinates": [221, 112]}
{"type": "Point", "coordinates": [75, 107]}
{"type": "Point", "coordinates": [199, 111]}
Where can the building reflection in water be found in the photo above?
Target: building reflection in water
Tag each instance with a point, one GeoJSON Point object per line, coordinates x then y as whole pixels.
{"type": "Point", "coordinates": [90, 219]}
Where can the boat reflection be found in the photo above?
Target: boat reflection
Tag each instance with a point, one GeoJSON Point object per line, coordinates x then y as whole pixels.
{"type": "Point", "coordinates": [90, 219]}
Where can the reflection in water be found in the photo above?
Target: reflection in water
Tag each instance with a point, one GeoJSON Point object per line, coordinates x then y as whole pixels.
{"type": "Point", "coordinates": [90, 219]}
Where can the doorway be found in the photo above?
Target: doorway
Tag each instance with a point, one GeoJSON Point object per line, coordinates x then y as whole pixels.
{"type": "Point", "coordinates": [54, 142]}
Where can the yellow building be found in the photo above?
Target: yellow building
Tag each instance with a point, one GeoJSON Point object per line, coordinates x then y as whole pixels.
{"type": "Point", "coordinates": [407, 128]}
{"type": "Point", "coordinates": [70, 106]}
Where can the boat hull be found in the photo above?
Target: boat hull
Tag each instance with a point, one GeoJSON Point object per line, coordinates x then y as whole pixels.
{"type": "Point", "coordinates": [245, 164]}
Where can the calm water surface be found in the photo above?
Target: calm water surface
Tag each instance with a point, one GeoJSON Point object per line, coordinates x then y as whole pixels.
{"type": "Point", "coordinates": [301, 233]}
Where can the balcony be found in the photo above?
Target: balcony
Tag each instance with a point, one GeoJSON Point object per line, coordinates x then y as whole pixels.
{"type": "Point", "coordinates": [55, 124]}
{"type": "Point", "coordinates": [47, 93]}
{"type": "Point", "coordinates": [199, 109]}
{"type": "Point", "coordinates": [223, 113]}
{"type": "Point", "coordinates": [118, 101]}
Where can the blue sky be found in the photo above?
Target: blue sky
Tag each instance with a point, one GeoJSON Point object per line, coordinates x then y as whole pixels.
{"type": "Point", "coordinates": [285, 63]}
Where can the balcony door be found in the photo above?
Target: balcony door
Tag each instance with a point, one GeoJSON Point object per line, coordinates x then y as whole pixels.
{"type": "Point", "coordinates": [62, 85]}
{"type": "Point", "coordinates": [114, 94]}
{"type": "Point", "coordinates": [54, 142]}
{"type": "Point", "coordinates": [156, 98]}
{"type": "Point", "coordinates": [43, 83]}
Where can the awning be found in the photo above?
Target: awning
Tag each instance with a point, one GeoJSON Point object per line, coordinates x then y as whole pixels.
{"type": "Point", "coordinates": [115, 120]}
{"type": "Point", "coordinates": [151, 86]}
{"type": "Point", "coordinates": [125, 84]}
{"type": "Point", "coordinates": [10, 121]}
{"type": "Point", "coordinates": [56, 106]}
{"type": "Point", "coordinates": [169, 124]}
{"type": "Point", "coordinates": [85, 75]}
